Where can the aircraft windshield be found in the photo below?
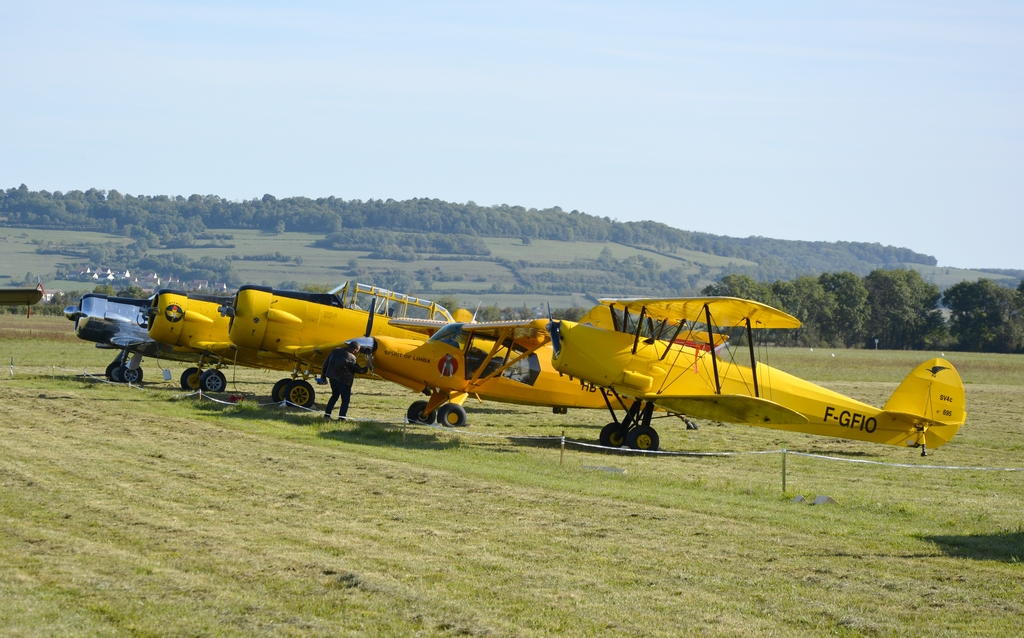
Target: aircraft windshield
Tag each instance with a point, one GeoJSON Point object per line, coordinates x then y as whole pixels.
{"type": "Point", "coordinates": [395, 304]}
{"type": "Point", "coordinates": [524, 370]}
{"type": "Point", "coordinates": [451, 334]}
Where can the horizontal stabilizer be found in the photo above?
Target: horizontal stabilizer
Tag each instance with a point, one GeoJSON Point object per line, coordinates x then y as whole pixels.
{"type": "Point", "coordinates": [909, 428]}
{"type": "Point", "coordinates": [733, 408]}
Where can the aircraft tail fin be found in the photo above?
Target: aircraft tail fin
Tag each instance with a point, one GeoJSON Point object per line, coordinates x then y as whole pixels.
{"type": "Point", "coordinates": [931, 398]}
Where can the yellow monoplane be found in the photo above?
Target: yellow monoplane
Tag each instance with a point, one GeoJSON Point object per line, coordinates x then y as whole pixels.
{"type": "Point", "coordinates": [193, 324]}
{"type": "Point", "coordinates": [508, 362]}
{"type": "Point", "coordinates": [667, 353]}
{"type": "Point", "coordinates": [299, 329]}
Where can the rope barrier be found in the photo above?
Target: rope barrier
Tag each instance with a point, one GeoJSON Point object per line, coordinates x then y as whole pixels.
{"type": "Point", "coordinates": [553, 439]}
{"type": "Point", "coordinates": [910, 465]}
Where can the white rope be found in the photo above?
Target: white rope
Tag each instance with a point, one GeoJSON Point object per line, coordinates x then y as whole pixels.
{"type": "Point", "coordinates": [910, 465]}
{"type": "Point", "coordinates": [581, 444]}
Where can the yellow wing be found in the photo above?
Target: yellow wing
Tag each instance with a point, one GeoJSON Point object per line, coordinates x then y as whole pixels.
{"type": "Point", "coordinates": [20, 296]}
{"type": "Point", "coordinates": [530, 333]}
{"type": "Point", "coordinates": [725, 311]}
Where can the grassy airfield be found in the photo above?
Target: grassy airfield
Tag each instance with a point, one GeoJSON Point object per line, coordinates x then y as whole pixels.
{"type": "Point", "coordinates": [128, 512]}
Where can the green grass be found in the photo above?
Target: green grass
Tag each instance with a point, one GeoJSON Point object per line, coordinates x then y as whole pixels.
{"type": "Point", "coordinates": [138, 513]}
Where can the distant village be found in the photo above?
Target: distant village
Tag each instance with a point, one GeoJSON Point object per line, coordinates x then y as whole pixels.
{"type": "Point", "coordinates": [147, 280]}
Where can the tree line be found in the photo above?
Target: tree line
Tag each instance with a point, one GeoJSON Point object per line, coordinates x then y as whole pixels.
{"type": "Point", "coordinates": [895, 307]}
{"type": "Point", "coordinates": [177, 221]}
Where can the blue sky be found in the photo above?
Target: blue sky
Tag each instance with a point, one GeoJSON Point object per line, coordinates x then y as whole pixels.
{"type": "Point", "coordinates": [880, 122]}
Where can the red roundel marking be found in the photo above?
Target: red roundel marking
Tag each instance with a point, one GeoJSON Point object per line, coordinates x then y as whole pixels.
{"type": "Point", "coordinates": [448, 366]}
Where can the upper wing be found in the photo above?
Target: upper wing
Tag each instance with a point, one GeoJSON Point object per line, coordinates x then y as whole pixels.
{"type": "Point", "coordinates": [725, 311]}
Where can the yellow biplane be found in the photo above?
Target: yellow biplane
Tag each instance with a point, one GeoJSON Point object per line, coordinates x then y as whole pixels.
{"type": "Point", "coordinates": [508, 362]}
{"type": "Point", "coordinates": [669, 353]}
{"type": "Point", "coordinates": [299, 329]}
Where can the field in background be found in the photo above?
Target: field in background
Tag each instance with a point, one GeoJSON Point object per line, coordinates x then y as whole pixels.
{"type": "Point", "coordinates": [322, 266]}
{"type": "Point", "coordinates": [139, 512]}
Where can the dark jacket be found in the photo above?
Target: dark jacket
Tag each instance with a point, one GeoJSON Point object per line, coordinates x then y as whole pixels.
{"type": "Point", "coordinates": [341, 366]}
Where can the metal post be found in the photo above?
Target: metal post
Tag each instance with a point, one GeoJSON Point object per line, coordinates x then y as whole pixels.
{"type": "Point", "coordinates": [561, 455]}
{"type": "Point", "coordinates": [783, 470]}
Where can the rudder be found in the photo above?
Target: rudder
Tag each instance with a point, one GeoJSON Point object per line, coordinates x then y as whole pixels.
{"type": "Point", "coordinates": [934, 393]}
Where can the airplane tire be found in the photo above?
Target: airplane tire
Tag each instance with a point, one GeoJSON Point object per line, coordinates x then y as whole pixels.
{"type": "Point", "coordinates": [213, 381]}
{"type": "Point", "coordinates": [115, 374]}
{"type": "Point", "coordinates": [613, 435]}
{"type": "Point", "coordinates": [642, 438]}
{"type": "Point", "coordinates": [131, 376]}
{"type": "Point", "coordinates": [299, 392]}
{"type": "Point", "coordinates": [116, 363]}
{"type": "Point", "coordinates": [190, 379]}
{"type": "Point", "coordinates": [452, 415]}
{"type": "Point", "coordinates": [415, 413]}
{"type": "Point", "coordinates": [277, 392]}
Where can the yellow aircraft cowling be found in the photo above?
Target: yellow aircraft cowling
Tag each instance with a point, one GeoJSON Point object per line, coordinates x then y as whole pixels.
{"type": "Point", "coordinates": [167, 321]}
{"type": "Point", "coordinates": [597, 355]}
{"type": "Point", "coordinates": [249, 325]}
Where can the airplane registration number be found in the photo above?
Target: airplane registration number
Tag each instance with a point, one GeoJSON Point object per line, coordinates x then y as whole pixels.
{"type": "Point", "coordinates": [853, 420]}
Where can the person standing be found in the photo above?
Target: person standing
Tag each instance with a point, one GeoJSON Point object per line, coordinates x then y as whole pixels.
{"type": "Point", "coordinates": [340, 368]}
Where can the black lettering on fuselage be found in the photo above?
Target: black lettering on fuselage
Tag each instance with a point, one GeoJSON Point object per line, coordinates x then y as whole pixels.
{"type": "Point", "coordinates": [852, 420]}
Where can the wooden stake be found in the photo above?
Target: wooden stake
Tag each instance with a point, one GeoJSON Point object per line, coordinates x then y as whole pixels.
{"type": "Point", "coordinates": [561, 454]}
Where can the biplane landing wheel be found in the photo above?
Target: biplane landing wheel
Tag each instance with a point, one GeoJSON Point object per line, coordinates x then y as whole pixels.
{"type": "Point", "coordinates": [277, 392]}
{"type": "Point", "coordinates": [130, 376]}
{"type": "Point", "coordinates": [452, 415]}
{"type": "Point", "coordinates": [190, 379]}
{"type": "Point", "coordinates": [299, 392]}
{"type": "Point", "coordinates": [415, 413]}
{"type": "Point", "coordinates": [213, 381]}
{"type": "Point", "coordinates": [613, 435]}
{"type": "Point", "coordinates": [642, 438]}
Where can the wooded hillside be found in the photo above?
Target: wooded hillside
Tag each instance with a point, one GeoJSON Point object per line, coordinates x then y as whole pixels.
{"type": "Point", "coordinates": [448, 227]}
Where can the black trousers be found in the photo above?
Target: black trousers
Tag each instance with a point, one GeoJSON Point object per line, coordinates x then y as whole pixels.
{"type": "Point", "coordinates": [338, 389]}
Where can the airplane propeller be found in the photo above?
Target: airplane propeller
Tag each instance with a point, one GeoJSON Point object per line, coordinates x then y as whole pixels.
{"type": "Point", "coordinates": [555, 330]}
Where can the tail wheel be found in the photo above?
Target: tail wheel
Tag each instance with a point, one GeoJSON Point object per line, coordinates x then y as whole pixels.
{"type": "Point", "coordinates": [415, 413]}
{"type": "Point", "coordinates": [213, 381]}
{"type": "Point", "coordinates": [277, 392]}
{"type": "Point", "coordinates": [613, 435]}
{"type": "Point", "coordinates": [299, 392]}
{"type": "Point", "coordinates": [452, 415]}
{"type": "Point", "coordinates": [642, 438]}
{"type": "Point", "coordinates": [190, 379]}
{"type": "Point", "coordinates": [131, 376]}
